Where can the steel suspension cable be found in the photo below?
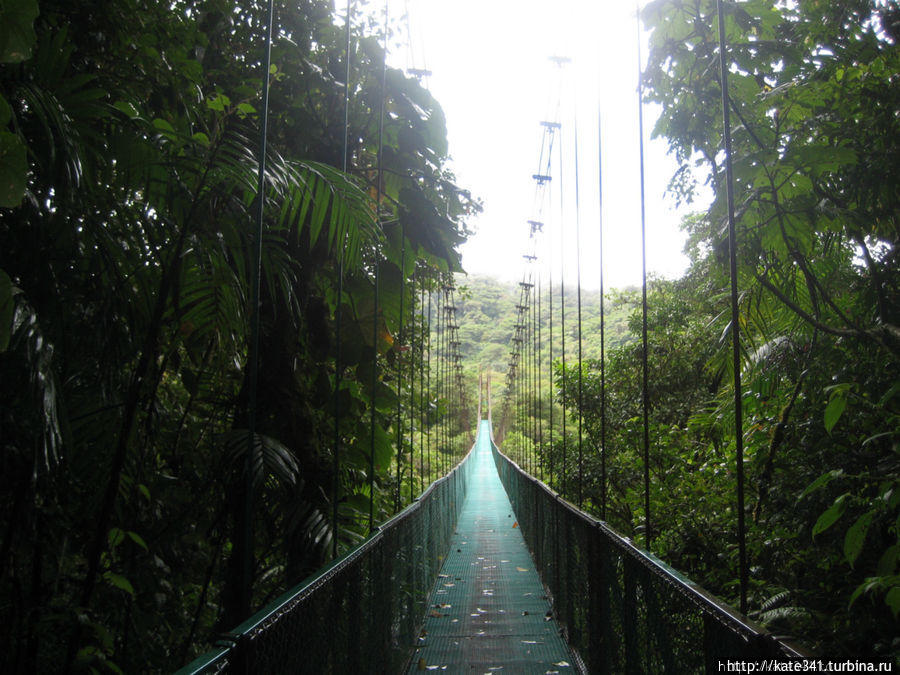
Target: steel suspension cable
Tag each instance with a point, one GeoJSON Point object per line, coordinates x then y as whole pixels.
{"type": "Point", "coordinates": [735, 315]}
{"type": "Point", "coordinates": [550, 383]}
{"type": "Point", "coordinates": [443, 375]}
{"type": "Point", "coordinates": [399, 500]}
{"type": "Point", "coordinates": [376, 272]}
{"type": "Point", "coordinates": [338, 366]}
{"type": "Point", "coordinates": [644, 384]}
{"type": "Point", "coordinates": [446, 378]}
{"type": "Point", "coordinates": [439, 377]}
{"type": "Point", "coordinates": [602, 320]}
{"type": "Point", "coordinates": [448, 381]}
{"type": "Point", "coordinates": [439, 363]}
{"type": "Point", "coordinates": [562, 316]}
{"type": "Point", "coordinates": [253, 384]}
{"type": "Point", "coordinates": [422, 339]}
{"type": "Point", "coordinates": [430, 390]}
{"type": "Point", "coordinates": [412, 388]}
{"type": "Point", "coordinates": [534, 374]}
{"type": "Point", "coordinates": [451, 393]}
{"type": "Point", "coordinates": [450, 398]}
{"type": "Point", "coordinates": [580, 354]}
{"type": "Point", "coordinates": [373, 382]}
{"type": "Point", "coordinates": [448, 391]}
{"type": "Point", "coordinates": [540, 394]}
{"type": "Point", "coordinates": [529, 393]}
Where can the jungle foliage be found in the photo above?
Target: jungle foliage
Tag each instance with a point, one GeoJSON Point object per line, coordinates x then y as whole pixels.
{"type": "Point", "coordinates": [129, 141]}
{"type": "Point", "coordinates": [814, 97]}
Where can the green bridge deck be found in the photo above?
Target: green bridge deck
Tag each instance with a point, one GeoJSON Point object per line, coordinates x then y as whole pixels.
{"type": "Point", "coordinates": [489, 612]}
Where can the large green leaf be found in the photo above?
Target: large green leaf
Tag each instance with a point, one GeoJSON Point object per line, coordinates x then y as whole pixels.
{"type": "Point", "coordinates": [835, 408]}
{"type": "Point", "coordinates": [856, 536]}
{"type": "Point", "coordinates": [821, 482]}
{"type": "Point", "coordinates": [830, 516]}
{"type": "Point", "coordinates": [118, 581]}
{"type": "Point", "coordinates": [271, 459]}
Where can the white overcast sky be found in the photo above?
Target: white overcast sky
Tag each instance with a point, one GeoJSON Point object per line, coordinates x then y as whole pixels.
{"type": "Point", "coordinates": [493, 76]}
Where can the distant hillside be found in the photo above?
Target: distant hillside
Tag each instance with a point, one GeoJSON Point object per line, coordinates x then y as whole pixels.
{"type": "Point", "coordinates": [486, 311]}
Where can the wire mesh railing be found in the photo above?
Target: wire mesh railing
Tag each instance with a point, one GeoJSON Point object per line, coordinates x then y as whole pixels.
{"type": "Point", "coordinates": [362, 613]}
{"type": "Point", "coordinates": [624, 610]}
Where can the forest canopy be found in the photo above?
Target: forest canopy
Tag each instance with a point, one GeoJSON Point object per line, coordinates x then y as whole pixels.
{"type": "Point", "coordinates": [814, 99]}
{"type": "Point", "coordinates": [129, 160]}
{"type": "Point", "coordinates": [129, 152]}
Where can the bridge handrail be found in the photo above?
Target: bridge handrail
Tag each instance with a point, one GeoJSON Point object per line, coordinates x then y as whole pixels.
{"type": "Point", "coordinates": [671, 621]}
{"type": "Point", "coordinates": [364, 575]}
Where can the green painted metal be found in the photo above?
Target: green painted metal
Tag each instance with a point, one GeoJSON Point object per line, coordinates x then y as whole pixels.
{"type": "Point", "coordinates": [488, 611]}
{"type": "Point", "coordinates": [623, 609]}
{"type": "Point", "coordinates": [362, 612]}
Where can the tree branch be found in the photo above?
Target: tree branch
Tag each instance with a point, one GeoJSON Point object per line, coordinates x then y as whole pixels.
{"type": "Point", "coordinates": [876, 336]}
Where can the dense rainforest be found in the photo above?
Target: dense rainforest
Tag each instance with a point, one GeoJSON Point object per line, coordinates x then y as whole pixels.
{"type": "Point", "coordinates": [129, 153]}
{"type": "Point", "coordinates": [814, 101]}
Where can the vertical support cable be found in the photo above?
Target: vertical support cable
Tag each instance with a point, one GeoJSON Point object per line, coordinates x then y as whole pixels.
{"type": "Point", "coordinates": [644, 385]}
{"type": "Point", "coordinates": [520, 417]}
{"type": "Point", "coordinates": [735, 324]}
{"type": "Point", "coordinates": [602, 321]}
{"type": "Point", "coordinates": [442, 375]}
{"type": "Point", "coordinates": [489, 400]}
{"type": "Point", "coordinates": [562, 316]}
{"type": "Point", "coordinates": [398, 500]}
{"type": "Point", "coordinates": [336, 468]}
{"type": "Point", "coordinates": [412, 387]}
{"type": "Point", "coordinates": [539, 385]}
{"type": "Point", "coordinates": [529, 381]}
{"type": "Point", "coordinates": [374, 396]}
{"type": "Point", "coordinates": [448, 393]}
{"type": "Point", "coordinates": [448, 383]}
{"type": "Point", "coordinates": [580, 354]}
{"type": "Point", "coordinates": [378, 178]}
{"type": "Point", "coordinates": [451, 364]}
{"type": "Point", "coordinates": [534, 374]}
{"type": "Point", "coordinates": [446, 399]}
{"type": "Point", "coordinates": [422, 338]}
{"type": "Point", "coordinates": [480, 391]}
{"type": "Point", "coordinates": [253, 384]}
{"type": "Point", "coordinates": [550, 382]}
{"type": "Point", "coordinates": [442, 330]}
{"type": "Point", "coordinates": [430, 391]}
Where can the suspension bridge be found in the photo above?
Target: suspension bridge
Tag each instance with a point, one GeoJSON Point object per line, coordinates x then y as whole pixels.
{"type": "Point", "coordinates": [489, 568]}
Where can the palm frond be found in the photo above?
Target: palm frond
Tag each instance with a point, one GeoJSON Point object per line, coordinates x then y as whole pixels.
{"type": "Point", "coordinates": [272, 463]}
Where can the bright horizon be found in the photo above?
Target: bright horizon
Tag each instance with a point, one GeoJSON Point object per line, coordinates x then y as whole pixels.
{"type": "Point", "coordinates": [503, 64]}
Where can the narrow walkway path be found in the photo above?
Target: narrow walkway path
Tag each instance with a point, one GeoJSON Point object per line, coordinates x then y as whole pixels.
{"type": "Point", "coordinates": [488, 612]}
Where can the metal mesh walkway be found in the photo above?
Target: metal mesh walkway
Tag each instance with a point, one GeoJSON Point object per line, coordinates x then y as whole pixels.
{"type": "Point", "coordinates": [488, 611]}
